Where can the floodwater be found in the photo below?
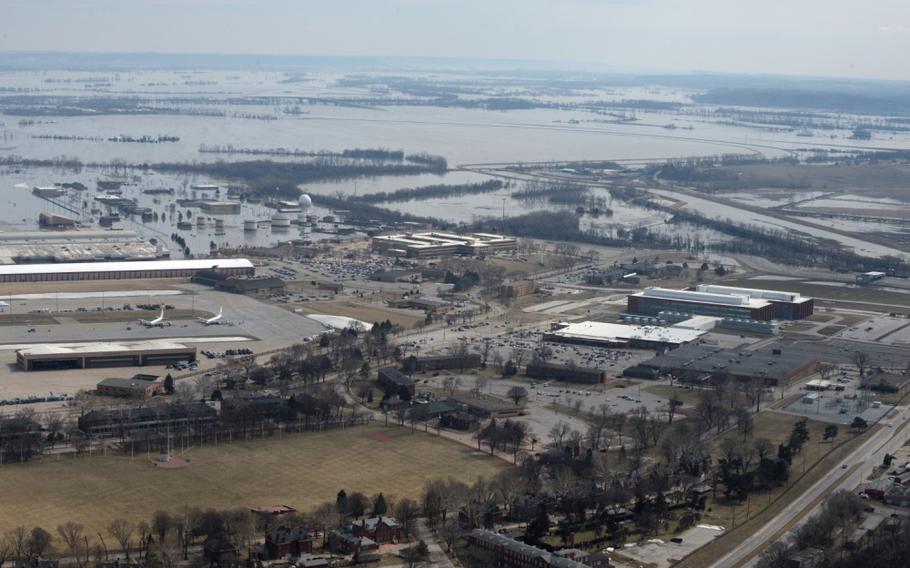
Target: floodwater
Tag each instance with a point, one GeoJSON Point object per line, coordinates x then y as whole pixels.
{"type": "Point", "coordinates": [310, 123]}
{"type": "Point", "coordinates": [721, 211]}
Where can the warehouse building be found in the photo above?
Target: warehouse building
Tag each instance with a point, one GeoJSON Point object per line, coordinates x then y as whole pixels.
{"type": "Point", "coordinates": [123, 270]}
{"type": "Point", "coordinates": [36, 247]}
{"type": "Point", "coordinates": [55, 221]}
{"type": "Point", "coordinates": [51, 356]}
{"type": "Point", "coordinates": [418, 245]}
{"type": "Point", "coordinates": [652, 301]}
{"type": "Point", "coordinates": [694, 363]}
{"type": "Point", "coordinates": [220, 207]}
{"type": "Point", "coordinates": [602, 334]}
{"type": "Point", "coordinates": [787, 305]}
{"type": "Point", "coordinates": [223, 281]}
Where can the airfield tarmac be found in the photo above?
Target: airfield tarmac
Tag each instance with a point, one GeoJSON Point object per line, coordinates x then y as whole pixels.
{"type": "Point", "coordinates": [263, 326]}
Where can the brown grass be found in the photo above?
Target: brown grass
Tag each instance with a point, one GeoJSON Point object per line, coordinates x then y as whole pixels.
{"type": "Point", "coordinates": [300, 470]}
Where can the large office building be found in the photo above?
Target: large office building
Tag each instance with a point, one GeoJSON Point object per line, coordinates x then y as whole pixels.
{"type": "Point", "coordinates": [52, 356]}
{"type": "Point", "coordinates": [787, 305]}
{"type": "Point", "coordinates": [123, 270]}
{"type": "Point", "coordinates": [652, 301]}
{"type": "Point", "coordinates": [418, 245]}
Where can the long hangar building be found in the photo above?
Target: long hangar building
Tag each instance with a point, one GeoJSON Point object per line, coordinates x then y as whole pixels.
{"type": "Point", "coordinates": [722, 301]}
{"type": "Point", "coordinates": [123, 270]}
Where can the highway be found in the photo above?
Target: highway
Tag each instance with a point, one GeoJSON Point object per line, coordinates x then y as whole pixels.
{"type": "Point", "coordinates": [859, 465]}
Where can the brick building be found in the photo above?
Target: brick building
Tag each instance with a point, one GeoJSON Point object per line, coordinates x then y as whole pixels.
{"type": "Point", "coordinates": [508, 553]}
{"type": "Point", "coordinates": [284, 541]}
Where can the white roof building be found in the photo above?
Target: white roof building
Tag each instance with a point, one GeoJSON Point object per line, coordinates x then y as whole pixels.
{"type": "Point", "coordinates": [118, 270]}
{"type": "Point", "coordinates": [611, 333]}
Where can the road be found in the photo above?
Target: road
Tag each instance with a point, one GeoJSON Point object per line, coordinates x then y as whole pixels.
{"type": "Point", "coordinates": [859, 464]}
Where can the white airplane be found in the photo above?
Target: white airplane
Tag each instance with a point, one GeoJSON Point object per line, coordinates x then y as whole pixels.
{"type": "Point", "coordinates": [157, 322]}
{"type": "Point", "coordinates": [214, 320]}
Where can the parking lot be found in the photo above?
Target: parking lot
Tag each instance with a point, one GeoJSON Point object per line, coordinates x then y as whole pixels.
{"type": "Point", "coordinates": [837, 408]}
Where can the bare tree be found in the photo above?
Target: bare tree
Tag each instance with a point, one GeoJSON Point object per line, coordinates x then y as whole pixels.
{"type": "Point", "coordinates": [825, 370]}
{"type": "Point", "coordinates": [861, 360]}
{"type": "Point", "coordinates": [145, 534]}
{"type": "Point", "coordinates": [517, 394]}
{"type": "Point", "coordinates": [72, 535]}
{"type": "Point", "coordinates": [406, 512]}
{"type": "Point", "coordinates": [559, 432]}
{"type": "Point", "coordinates": [122, 531]}
{"type": "Point", "coordinates": [451, 384]}
{"type": "Point", "coordinates": [763, 447]}
{"type": "Point", "coordinates": [6, 549]}
{"type": "Point", "coordinates": [486, 347]}
{"type": "Point", "coordinates": [18, 539]}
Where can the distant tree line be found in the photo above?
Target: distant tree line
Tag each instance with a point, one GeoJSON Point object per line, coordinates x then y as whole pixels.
{"type": "Point", "coordinates": [429, 192]}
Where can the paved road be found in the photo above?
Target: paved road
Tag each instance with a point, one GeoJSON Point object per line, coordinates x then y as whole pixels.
{"type": "Point", "coordinates": [859, 464]}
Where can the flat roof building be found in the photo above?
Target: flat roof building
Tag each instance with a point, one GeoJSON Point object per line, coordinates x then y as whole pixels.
{"type": "Point", "coordinates": [221, 280]}
{"type": "Point", "coordinates": [787, 305]}
{"type": "Point", "coordinates": [394, 380]}
{"type": "Point", "coordinates": [652, 301]}
{"type": "Point", "coordinates": [614, 334]}
{"type": "Point", "coordinates": [774, 365]}
{"type": "Point", "coordinates": [220, 207]}
{"type": "Point", "coordinates": [32, 247]}
{"type": "Point", "coordinates": [440, 244]}
{"type": "Point", "coordinates": [139, 386]}
{"type": "Point", "coordinates": [51, 356]}
{"type": "Point", "coordinates": [123, 270]}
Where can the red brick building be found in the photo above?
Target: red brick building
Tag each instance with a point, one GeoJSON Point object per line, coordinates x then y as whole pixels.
{"type": "Point", "coordinates": [288, 542]}
{"type": "Point", "coordinates": [384, 530]}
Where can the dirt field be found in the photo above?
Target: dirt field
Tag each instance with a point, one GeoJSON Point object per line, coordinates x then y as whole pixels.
{"type": "Point", "coordinates": [301, 471]}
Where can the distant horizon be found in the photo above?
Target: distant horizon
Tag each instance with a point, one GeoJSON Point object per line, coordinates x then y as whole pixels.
{"type": "Point", "coordinates": [810, 38]}
{"type": "Point", "coordinates": [495, 64]}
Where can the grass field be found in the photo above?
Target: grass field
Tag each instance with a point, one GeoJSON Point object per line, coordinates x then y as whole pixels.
{"type": "Point", "coordinates": [301, 471]}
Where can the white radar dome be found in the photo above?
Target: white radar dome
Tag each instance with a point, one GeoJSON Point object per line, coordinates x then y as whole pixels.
{"type": "Point", "coordinates": [304, 201]}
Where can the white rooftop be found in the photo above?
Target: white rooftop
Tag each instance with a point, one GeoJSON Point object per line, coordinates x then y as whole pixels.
{"type": "Point", "coordinates": [745, 301]}
{"type": "Point", "coordinates": [100, 347]}
{"type": "Point", "coordinates": [773, 295]}
{"type": "Point", "coordinates": [602, 331]}
{"type": "Point", "coordinates": [82, 267]}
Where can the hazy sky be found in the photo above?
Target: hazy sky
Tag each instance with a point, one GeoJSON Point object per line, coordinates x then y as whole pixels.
{"type": "Point", "coordinates": [855, 38]}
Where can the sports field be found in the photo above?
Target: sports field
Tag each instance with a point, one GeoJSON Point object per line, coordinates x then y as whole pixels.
{"type": "Point", "coordinates": [300, 470]}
